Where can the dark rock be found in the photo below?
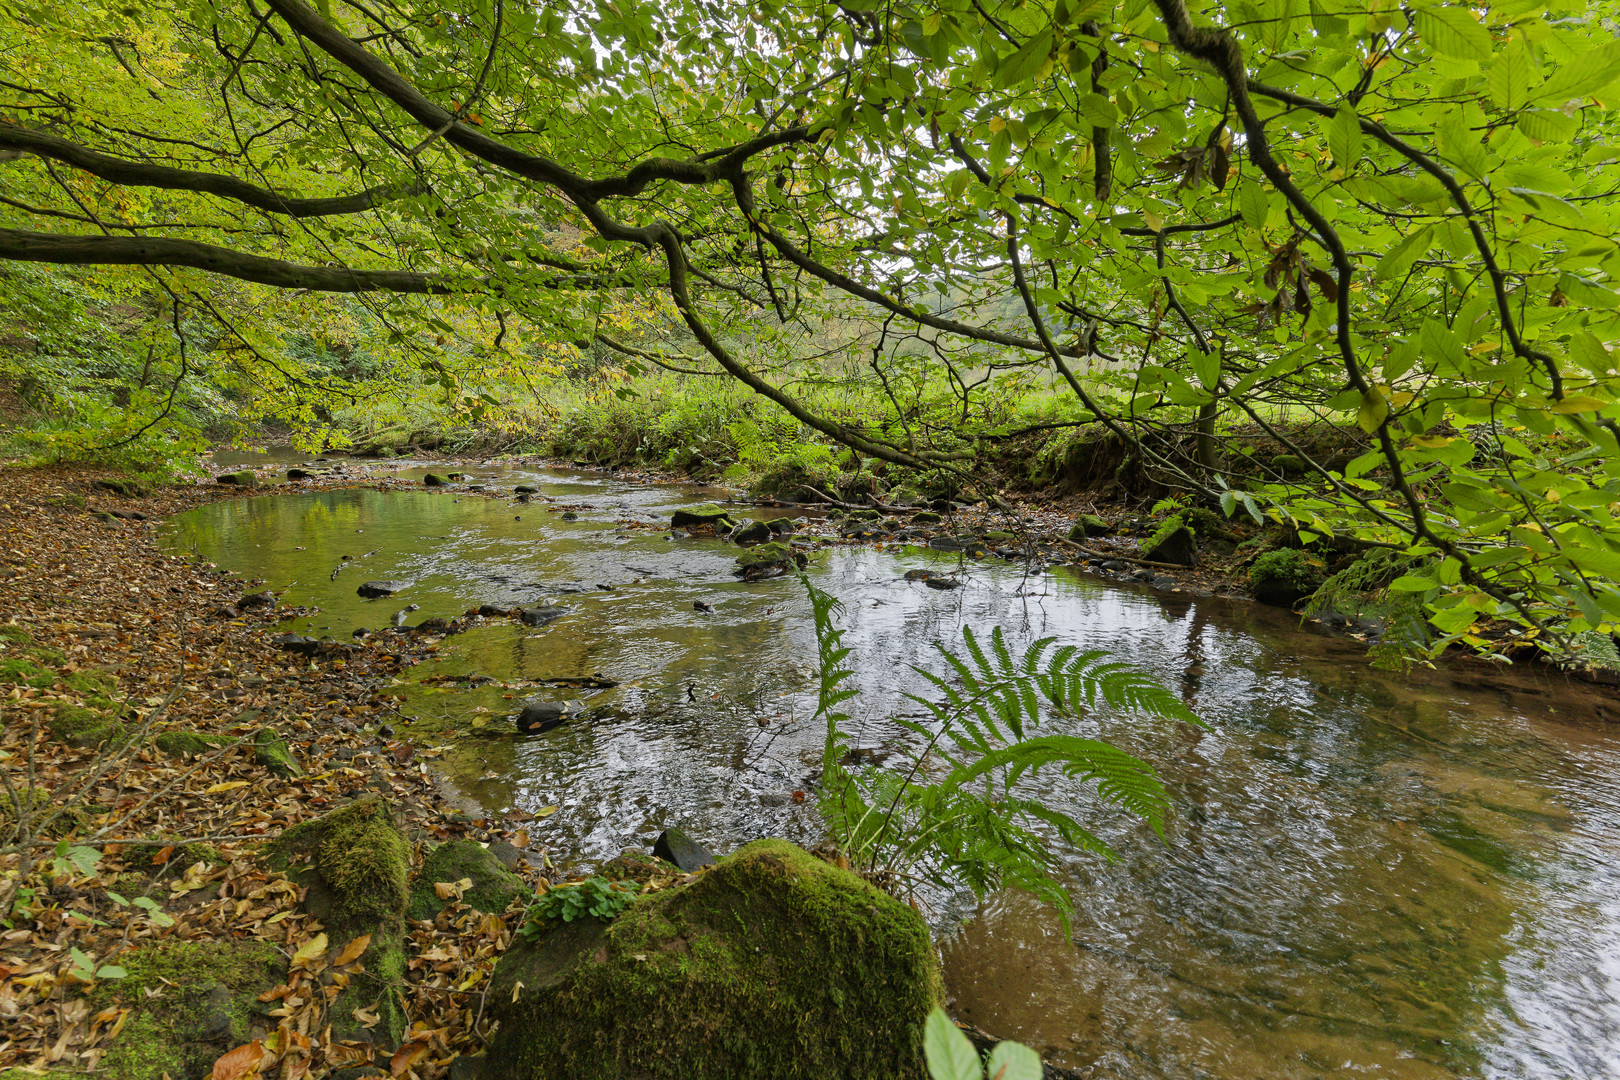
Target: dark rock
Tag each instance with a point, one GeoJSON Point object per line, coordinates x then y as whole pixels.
{"type": "Point", "coordinates": [942, 583]}
{"type": "Point", "coordinates": [490, 611]}
{"type": "Point", "coordinates": [699, 605]}
{"type": "Point", "coordinates": [457, 476]}
{"type": "Point", "coordinates": [705, 514]}
{"type": "Point", "coordinates": [467, 1067]}
{"type": "Point", "coordinates": [209, 1017]}
{"type": "Point", "coordinates": [525, 489]}
{"type": "Point", "coordinates": [434, 625]}
{"type": "Point", "coordinates": [1115, 565]}
{"type": "Point", "coordinates": [1088, 525]}
{"type": "Point", "coordinates": [768, 561]}
{"type": "Point", "coordinates": [226, 612]}
{"type": "Point", "coordinates": [506, 853]}
{"type": "Point", "coordinates": [360, 632]}
{"type": "Point", "coordinates": [385, 731]}
{"type": "Point", "coordinates": [774, 798]}
{"type": "Point", "coordinates": [674, 846]}
{"type": "Point", "coordinates": [540, 616]}
{"type": "Point", "coordinates": [397, 619]}
{"type": "Point", "coordinates": [754, 532]}
{"type": "Point", "coordinates": [926, 517]}
{"type": "Point", "coordinates": [297, 643]}
{"type": "Point", "coordinates": [434, 480]}
{"type": "Point", "coordinates": [1285, 577]}
{"type": "Point", "coordinates": [1180, 548]}
{"type": "Point", "coordinates": [299, 474]}
{"type": "Point", "coordinates": [771, 964]}
{"type": "Point", "coordinates": [919, 575]}
{"type": "Point", "coordinates": [371, 590]}
{"type": "Point", "coordinates": [539, 717]}
{"type": "Point", "coordinates": [525, 498]}
{"type": "Point", "coordinates": [271, 752]}
{"type": "Point", "coordinates": [569, 515]}
{"type": "Point", "coordinates": [256, 600]}
{"type": "Point", "coordinates": [782, 526]}
{"type": "Point", "coordinates": [1164, 582]}
{"type": "Point", "coordinates": [241, 478]}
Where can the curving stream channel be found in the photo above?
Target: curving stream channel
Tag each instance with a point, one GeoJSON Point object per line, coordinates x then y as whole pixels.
{"type": "Point", "coordinates": [1365, 874]}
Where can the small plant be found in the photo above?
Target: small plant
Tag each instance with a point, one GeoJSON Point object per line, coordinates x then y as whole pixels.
{"type": "Point", "coordinates": [596, 897]}
{"type": "Point", "coordinates": [953, 814]}
{"type": "Point", "coordinates": [951, 1056]}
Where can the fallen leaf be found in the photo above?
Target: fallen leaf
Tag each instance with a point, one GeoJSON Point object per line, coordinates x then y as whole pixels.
{"type": "Point", "coordinates": [352, 950]}
{"type": "Point", "coordinates": [406, 1056]}
{"type": "Point", "coordinates": [229, 785]}
{"type": "Point", "coordinates": [310, 951]}
{"type": "Point", "coordinates": [243, 1061]}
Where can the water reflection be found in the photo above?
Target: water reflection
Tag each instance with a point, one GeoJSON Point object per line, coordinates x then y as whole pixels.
{"type": "Point", "coordinates": [1366, 874]}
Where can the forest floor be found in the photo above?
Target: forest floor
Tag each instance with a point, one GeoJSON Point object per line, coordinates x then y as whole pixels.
{"type": "Point", "coordinates": [99, 627]}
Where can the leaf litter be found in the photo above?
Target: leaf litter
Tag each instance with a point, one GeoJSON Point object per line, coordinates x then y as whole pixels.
{"type": "Point", "coordinates": [101, 628]}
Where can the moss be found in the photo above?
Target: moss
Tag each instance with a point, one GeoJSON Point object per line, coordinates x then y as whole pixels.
{"type": "Point", "coordinates": [1285, 576]}
{"type": "Point", "coordinates": [26, 673]}
{"type": "Point", "coordinates": [637, 867]}
{"type": "Point", "coordinates": [78, 726]}
{"type": "Point", "coordinates": [241, 478]}
{"type": "Point", "coordinates": [126, 486]}
{"type": "Point", "coordinates": [357, 869]}
{"type": "Point", "coordinates": [191, 1001]}
{"type": "Point", "coordinates": [272, 752]}
{"type": "Point", "coordinates": [181, 743]}
{"type": "Point", "coordinates": [1167, 528]}
{"type": "Point", "coordinates": [1087, 525]}
{"type": "Point", "coordinates": [706, 514]}
{"type": "Point", "coordinates": [1289, 464]}
{"type": "Point", "coordinates": [145, 856]}
{"type": "Point", "coordinates": [67, 502]}
{"type": "Point", "coordinates": [926, 517]}
{"type": "Point", "coordinates": [765, 555]}
{"type": "Point", "coordinates": [90, 682]}
{"type": "Point", "coordinates": [493, 889]}
{"type": "Point", "coordinates": [771, 964]}
{"type": "Point", "coordinates": [14, 635]}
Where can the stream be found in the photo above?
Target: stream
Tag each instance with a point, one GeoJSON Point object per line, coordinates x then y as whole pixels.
{"type": "Point", "coordinates": [1364, 873]}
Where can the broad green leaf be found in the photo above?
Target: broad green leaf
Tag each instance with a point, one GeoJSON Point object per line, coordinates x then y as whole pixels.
{"type": "Point", "coordinates": [1398, 260]}
{"type": "Point", "coordinates": [1548, 125]}
{"type": "Point", "coordinates": [1012, 1061]}
{"type": "Point", "coordinates": [1578, 403]}
{"type": "Point", "coordinates": [1254, 205]}
{"type": "Point", "coordinates": [1411, 583]}
{"type": "Point", "coordinates": [1453, 31]}
{"type": "Point", "coordinates": [1374, 408]}
{"type": "Point", "coordinates": [950, 1055]}
{"type": "Point", "coordinates": [1584, 75]}
{"type": "Point", "coordinates": [1509, 78]}
{"type": "Point", "coordinates": [1026, 63]}
{"type": "Point", "coordinates": [1343, 131]}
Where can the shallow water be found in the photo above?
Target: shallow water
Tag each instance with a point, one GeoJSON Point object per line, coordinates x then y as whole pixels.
{"type": "Point", "coordinates": [1364, 875]}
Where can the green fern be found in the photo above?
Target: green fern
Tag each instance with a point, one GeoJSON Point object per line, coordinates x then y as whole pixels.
{"type": "Point", "coordinates": [952, 815]}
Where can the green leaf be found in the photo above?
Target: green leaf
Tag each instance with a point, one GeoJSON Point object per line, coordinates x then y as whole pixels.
{"type": "Point", "coordinates": [1548, 126]}
{"type": "Point", "coordinates": [1509, 77]}
{"type": "Point", "coordinates": [1454, 32]}
{"type": "Point", "coordinates": [1411, 583]}
{"type": "Point", "coordinates": [950, 1055]}
{"type": "Point", "coordinates": [110, 971]}
{"type": "Point", "coordinates": [1344, 137]}
{"type": "Point", "coordinates": [1254, 205]}
{"type": "Point", "coordinates": [1399, 259]}
{"type": "Point", "coordinates": [1582, 76]}
{"type": "Point", "coordinates": [1013, 1061]}
{"type": "Point", "coordinates": [1372, 412]}
{"type": "Point", "coordinates": [1026, 63]}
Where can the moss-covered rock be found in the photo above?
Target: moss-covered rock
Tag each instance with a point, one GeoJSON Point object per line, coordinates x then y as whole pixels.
{"type": "Point", "coordinates": [357, 867]}
{"type": "Point", "coordinates": [147, 855]}
{"type": "Point", "coordinates": [271, 751]}
{"type": "Point", "coordinates": [705, 514]}
{"type": "Point", "coordinates": [768, 560]}
{"type": "Point", "coordinates": [1088, 525]}
{"type": "Point", "coordinates": [638, 867]}
{"type": "Point", "coordinates": [184, 743]}
{"type": "Point", "coordinates": [493, 888]}
{"type": "Point", "coordinates": [191, 1001]}
{"type": "Point", "coordinates": [240, 478]}
{"type": "Point", "coordinates": [772, 964]}
{"type": "Point", "coordinates": [66, 502]}
{"type": "Point", "coordinates": [127, 486]}
{"type": "Point", "coordinates": [1173, 542]}
{"type": "Point", "coordinates": [926, 517]}
{"type": "Point", "coordinates": [1289, 464]}
{"type": "Point", "coordinates": [87, 725]}
{"type": "Point", "coordinates": [1285, 577]}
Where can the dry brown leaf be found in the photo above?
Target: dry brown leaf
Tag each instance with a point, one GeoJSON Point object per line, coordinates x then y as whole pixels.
{"type": "Point", "coordinates": [351, 952]}
{"type": "Point", "coordinates": [310, 951]}
{"type": "Point", "coordinates": [406, 1056]}
{"type": "Point", "coordinates": [243, 1061]}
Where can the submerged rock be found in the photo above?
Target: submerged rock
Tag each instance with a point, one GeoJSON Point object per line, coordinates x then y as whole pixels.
{"type": "Point", "coordinates": [434, 480]}
{"type": "Point", "coordinates": [371, 590]}
{"type": "Point", "coordinates": [772, 964]}
{"type": "Point", "coordinates": [540, 616]}
{"type": "Point", "coordinates": [704, 514]}
{"type": "Point", "coordinates": [539, 717]}
{"type": "Point", "coordinates": [782, 526]}
{"type": "Point", "coordinates": [674, 846]}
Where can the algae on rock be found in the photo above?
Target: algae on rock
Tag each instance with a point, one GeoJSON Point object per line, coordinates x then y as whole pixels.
{"type": "Point", "coordinates": [357, 866]}
{"type": "Point", "coordinates": [772, 964]}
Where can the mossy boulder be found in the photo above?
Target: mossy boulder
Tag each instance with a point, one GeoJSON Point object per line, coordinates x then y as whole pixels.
{"type": "Point", "coordinates": [1289, 464]}
{"type": "Point", "coordinates": [1088, 525]}
{"type": "Point", "coordinates": [493, 888]}
{"type": "Point", "coordinates": [127, 486]}
{"type": "Point", "coordinates": [190, 1002]}
{"type": "Point", "coordinates": [1173, 542]}
{"type": "Point", "coordinates": [86, 726]}
{"type": "Point", "coordinates": [240, 478]}
{"type": "Point", "coordinates": [754, 532]}
{"type": "Point", "coordinates": [768, 560]}
{"type": "Point", "coordinates": [926, 517]}
{"type": "Point", "coordinates": [357, 867]}
{"type": "Point", "coordinates": [705, 514]}
{"type": "Point", "coordinates": [272, 752]}
{"type": "Point", "coordinates": [772, 964]}
{"type": "Point", "coordinates": [187, 743]}
{"type": "Point", "coordinates": [154, 853]}
{"type": "Point", "coordinates": [1285, 577]}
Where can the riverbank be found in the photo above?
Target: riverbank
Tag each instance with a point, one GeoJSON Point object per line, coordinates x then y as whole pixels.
{"type": "Point", "coordinates": [153, 745]}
